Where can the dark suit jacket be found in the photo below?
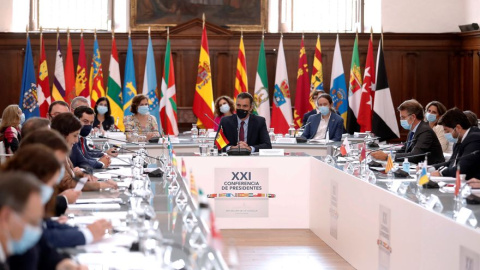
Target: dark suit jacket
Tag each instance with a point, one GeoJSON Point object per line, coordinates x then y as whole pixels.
{"type": "Point", "coordinates": [335, 127]}
{"type": "Point", "coordinates": [307, 115]}
{"type": "Point", "coordinates": [424, 140]}
{"type": "Point", "coordinates": [468, 165]}
{"type": "Point", "coordinates": [80, 160]}
{"type": "Point", "coordinates": [257, 133]}
{"type": "Point", "coordinates": [91, 153]}
{"type": "Point", "coordinates": [106, 124]}
{"type": "Point", "coordinates": [41, 256]}
{"type": "Point", "coordinates": [61, 205]}
{"type": "Point", "coordinates": [62, 235]}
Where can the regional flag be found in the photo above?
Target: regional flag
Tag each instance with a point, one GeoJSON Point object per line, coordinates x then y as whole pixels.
{"type": "Point", "coordinates": [423, 179]}
{"type": "Point", "coordinates": [184, 169]}
{"type": "Point", "coordinates": [28, 95]}
{"type": "Point", "coordinates": [168, 96]}
{"type": "Point", "coordinates": [338, 87]}
{"type": "Point", "coordinates": [81, 81]}
{"type": "Point", "coordinates": [58, 89]}
{"type": "Point", "coordinates": [366, 101]}
{"type": "Point", "coordinates": [129, 83]}
{"type": "Point", "coordinates": [221, 141]}
{"type": "Point", "coordinates": [43, 84]}
{"type": "Point", "coordinates": [193, 188]}
{"type": "Point", "coordinates": [114, 90]}
{"type": "Point", "coordinates": [69, 73]}
{"type": "Point", "coordinates": [302, 93]}
{"type": "Point", "coordinates": [203, 99]}
{"type": "Point", "coordinates": [262, 101]}
{"type": "Point", "coordinates": [150, 84]}
{"type": "Point", "coordinates": [389, 165]}
{"type": "Point", "coordinates": [96, 75]}
{"type": "Point", "coordinates": [282, 105]}
{"type": "Point", "coordinates": [354, 91]}
{"type": "Point", "coordinates": [316, 83]}
{"type": "Point", "coordinates": [241, 81]}
{"type": "Point", "coordinates": [384, 120]}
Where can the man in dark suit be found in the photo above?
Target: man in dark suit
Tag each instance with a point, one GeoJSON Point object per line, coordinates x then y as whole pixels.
{"type": "Point", "coordinates": [243, 129]}
{"type": "Point", "coordinates": [325, 121]}
{"type": "Point", "coordinates": [421, 138]}
{"type": "Point", "coordinates": [459, 131]}
{"type": "Point", "coordinates": [313, 97]}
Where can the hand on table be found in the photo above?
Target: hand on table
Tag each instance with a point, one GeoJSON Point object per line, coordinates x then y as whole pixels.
{"type": "Point", "coordinates": [244, 145]}
{"type": "Point", "coordinates": [69, 264]}
{"type": "Point", "coordinates": [71, 195]}
{"type": "Point", "coordinates": [108, 184]}
{"type": "Point", "coordinates": [435, 173]}
{"type": "Point", "coordinates": [474, 183]}
{"type": "Point", "coordinates": [112, 152]}
{"type": "Point", "coordinates": [98, 228]}
{"type": "Point", "coordinates": [105, 160]}
{"type": "Point", "coordinates": [380, 155]}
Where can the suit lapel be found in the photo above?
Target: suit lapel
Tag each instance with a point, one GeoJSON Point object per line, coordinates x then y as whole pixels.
{"type": "Point", "coordinates": [235, 128]}
{"type": "Point", "coordinates": [315, 124]}
{"type": "Point", "coordinates": [251, 124]}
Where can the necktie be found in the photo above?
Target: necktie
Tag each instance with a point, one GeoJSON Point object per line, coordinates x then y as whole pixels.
{"type": "Point", "coordinates": [410, 137]}
{"type": "Point", "coordinates": [241, 133]}
{"type": "Point", "coordinates": [82, 140]}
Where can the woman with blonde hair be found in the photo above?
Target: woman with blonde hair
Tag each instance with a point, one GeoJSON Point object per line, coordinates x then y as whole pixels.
{"type": "Point", "coordinates": [10, 134]}
{"type": "Point", "coordinates": [224, 106]}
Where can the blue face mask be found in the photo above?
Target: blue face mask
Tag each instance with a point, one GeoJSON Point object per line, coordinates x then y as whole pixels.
{"type": "Point", "coordinates": [61, 175]}
{"type": "Point", "coordinates": [324, 110]}
{"type": "Point", "coordinates": [22, 118]}
{"type": "Point", "coordinates": [102, 109]}
{"type": "Point", "coordinates": [85, 131]}
{"type": "Point", "coordinates": [450, 138]}
{"type": "Point", "coordinates": [405, 124]}
{"type": "Point", "coordinates": [46, 193]}
{"type": "Point", "coordinates": [430, 117]}
{"type": "Point", "coordinates": [31, 235]}
{"type": "Point", "coordinates": [143, 110]}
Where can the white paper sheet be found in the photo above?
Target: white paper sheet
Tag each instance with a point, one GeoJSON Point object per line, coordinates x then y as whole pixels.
{"type": "Point", "coordinates": [99, 200]}
{"type": "Point", "coordinates": [442, 179]}
{"type": "Point", "coordinates": [94, 206]}
{"type": "Point", "coordinates": [119, 260]}
{"type": "Point", "coordinates": [111, 215]}
{"type": "Point", "coordinates": [103, 176]}
{"type": "Point", "coordinates": [122, 172]}
{"type": "Point", "coordinates": [80, 184]}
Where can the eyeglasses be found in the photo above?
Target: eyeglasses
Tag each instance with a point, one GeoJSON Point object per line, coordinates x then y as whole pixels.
{"type": "Point", "coordinates": [404, 117]}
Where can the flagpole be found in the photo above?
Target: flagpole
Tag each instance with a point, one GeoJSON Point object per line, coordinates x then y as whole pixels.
{"type": "Point", "coordinates": [113, 33]}
{"type": "Point", "coordinates": [168, 33]}
{"type": "Point", "coordinates": [41, 40]}
{"type": "Point", "coordinates": [382, 36]}
{"type": "Point", "coordinates": [26, 30]}
{"type": "Point", "coordinates": [149, 31]}
{"type": "Point", "coordinates": [263, 33]}
{"type": "Point", "coordinates": [203, 19]}
{"type": "Point", "coordinates": [58, 34]}
{"type": "Point", "coordinates": [129, 33]}
{"type": "Point", "coordinates": [81, 32]}
{"type": "Point", "coordinates": [95, 33]}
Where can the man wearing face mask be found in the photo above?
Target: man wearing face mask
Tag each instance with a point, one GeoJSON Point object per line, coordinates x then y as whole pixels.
{"type": "Point", "coordinates": [80, 155]}
{"type": "Point", "coordinates": [22, 244]}
{"type": "Point", "coordinates": [313, 97]}
{"type": "Point", "coordinates": [421, 138]}
{"type": "Point", "coordinates": [326, 124]}
{"type": "Point", "coordinates": [459, 131]}
{"type": "Point", "coordinates": [245, 130]}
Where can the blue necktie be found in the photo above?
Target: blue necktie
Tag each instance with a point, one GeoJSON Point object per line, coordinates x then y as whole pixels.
{"type": "Point", "coordinates": [410, 137]}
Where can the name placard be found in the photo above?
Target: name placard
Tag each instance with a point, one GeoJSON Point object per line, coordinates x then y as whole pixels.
{"type": "Point", "coordinates": [271, 152]}
{"type": "Point", "coordinates": [286, 140]}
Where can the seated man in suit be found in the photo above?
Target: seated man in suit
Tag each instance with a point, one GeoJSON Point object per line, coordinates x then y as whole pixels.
{"type": "Point", "coordinates": [57, 107]}
{"type": "Point", "coordinates": [421, 138]}
{"type": "Point", "coordinates": [313, 98]}
{"type": "Point", "coordinates": [80, 155]}
{"type": "Point", "coordinates": [326, 121]}
{"type": "Point", "coordinates": [245, 130]}
{"type": "Point", "coordinates": [459, 131]}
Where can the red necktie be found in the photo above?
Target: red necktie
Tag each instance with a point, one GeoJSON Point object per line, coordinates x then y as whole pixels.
{"type": "Point", "coordinates": [82, 140]}
{"type": "Point", "coordinates": [241, 134]}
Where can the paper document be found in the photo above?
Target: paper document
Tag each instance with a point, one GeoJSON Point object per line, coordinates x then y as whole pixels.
{"type": "Point", "coordinates": [81, 182]}
{"type": "Point", "coordinates": [94, 206]}
{"type": "Point", "coordinates": [119, 260]}
{"type": "Point", "coordinates": [103, 176]}
{"type": "Point", "coordinates": [99, 200]}
{"type": "Point", "coordinates": [122, 172]}
{"type": "Point", "coordinates": [442, 179]}
{"type": "Point", "coordinates": [111, 215]}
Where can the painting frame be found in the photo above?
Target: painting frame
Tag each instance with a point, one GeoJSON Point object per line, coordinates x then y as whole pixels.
{"type": "Point", "coordinates": [136, 25]}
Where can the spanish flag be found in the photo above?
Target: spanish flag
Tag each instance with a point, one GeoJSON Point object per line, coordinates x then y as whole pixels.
{"type": "Point", "coordinates": [221, 141]}
{"type": "Point", "coordinates": [241, 81]}
{"type": "Point", "coordinates": [203, 99]}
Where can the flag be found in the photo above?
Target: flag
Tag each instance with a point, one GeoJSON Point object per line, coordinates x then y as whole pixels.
{"type": "Point", "coordinates": [458, 181]}
{"type": "Point", "coordinates": [129, 83]}
{"type": "Point", "coordinates": [389, 165]}
{"type": "Point", "coordinates": [43, 85]}
{"type": "Point", "coordinates": [193, 187]}
{"type": "Point", "coordinates": [338, 88]}
{"type": "Point", "coordinates": [81, 82]}
{"type": "Point", "coordinates": [423, 179]}
{"type": "Point", "coordinates": [69, 73]}
{"type": "Point", "coordinates": [366, 101]}
{"type": "Point", "coordinates": [302, 93]}
{"type": "Point", "coordinates": [241, 80]}
{"type": "Point", "coordinates": [150, 83]}
{"type": "Point", "coordinates": [363, 153]}
{"type": "Point", "coordinates": [221, 141]}
{"type": "Point", "coordinates": [316, 83]}
{"type": "Point", "coordinates": [354, 91]}
{"type": "Point", "coordinates": [96, 75]}
{"type": "Point", "coordinates": [168, 96]}
{"type": "Point", "coordinates": [203, 99]}
{"type": "Point", "coordinates": [184, 169]}
{"type": "Point", "coordinates": [384, 120]}
{"type": "Point", "coordinates": [114, 89]}
{"type": "Point", "coordinates": [28, 96]}
{"type": "Point", "coordinates": [345, 148]}
{"type": "Point", "coordinates": [281, 105]}
{"type": "Point", "coordinates": [58, 88]}
{"type": "Point", "coordinates": [262, 101]}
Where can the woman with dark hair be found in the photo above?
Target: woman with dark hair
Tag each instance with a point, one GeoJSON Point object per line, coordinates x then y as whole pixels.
{"type": "Point", "coordinates": [325, 124]}
{"type": "Point", "coordinates": [433, 111]}
{"type": "Point", "coordinates": [224, 106]}
{"type": "Point", "coordinates": [103, 118]}
{"type": "Point", "coordinates": [12, 118]}
{"type": "Point", "coordinates": [141, 122]}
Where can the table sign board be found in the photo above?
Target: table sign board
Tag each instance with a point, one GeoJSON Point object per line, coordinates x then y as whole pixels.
{"type": "Point", "coordinates": [383, 242]}
{"type": "Point", "coordinates": [334, 209]}
{"type": "Point", "coordinates": [286, 140]}
{"type": "Point", "coordinates": [242, 182]}
{"type": "Point", "coordinates": [272, 152]}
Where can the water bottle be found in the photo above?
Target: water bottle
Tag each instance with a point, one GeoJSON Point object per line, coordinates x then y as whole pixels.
{"type": "Point", "coordinates": [291, 131]}
{"type": "Point", "coordinates": [272, 135]}
{"type": "Point", "coordinates": [406, 166]}
{"type": "Point", "coordinates": [194, 131]}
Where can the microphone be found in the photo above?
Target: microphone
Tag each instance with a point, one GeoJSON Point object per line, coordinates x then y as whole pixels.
{"type": "Point", "coordinates": [132, 151]}
{"type": "Point", "coordinates": [213, 121]}
{"type": "Point", "coordinates": [118, 140]}
{"type": "Point", "coordinates": [417, 155]}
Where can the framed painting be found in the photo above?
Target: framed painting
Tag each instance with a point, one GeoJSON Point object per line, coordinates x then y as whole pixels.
{"type": "Point", "coordinates": [246, 15]}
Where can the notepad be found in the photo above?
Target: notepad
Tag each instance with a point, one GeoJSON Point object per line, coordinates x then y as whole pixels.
{"type": "Point", "coordinates": [94, 206]}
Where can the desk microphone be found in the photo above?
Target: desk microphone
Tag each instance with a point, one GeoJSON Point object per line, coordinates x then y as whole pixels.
{"type": "Point", "coordinates": [468, 155]}
{"type": "Point", "coordinates": [132, 151]}
{"type": "Point", "coordinates": [209, 118]}
{"type": "Point", "coordinates": [118, 140]}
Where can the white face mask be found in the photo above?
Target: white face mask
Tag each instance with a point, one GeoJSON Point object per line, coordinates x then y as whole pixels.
{"type": "Point", "coordinates": [224, 108]}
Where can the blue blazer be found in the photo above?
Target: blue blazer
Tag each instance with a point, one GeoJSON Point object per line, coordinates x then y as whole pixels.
{"type": "Point", "coordinates": [62, 235]}
{"type": "Point", "coordinates": [307, 115]}
{"type": "Point", "coordinates": [335, 127]}
{"type": "Point", "coordinates": [80, 160]}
